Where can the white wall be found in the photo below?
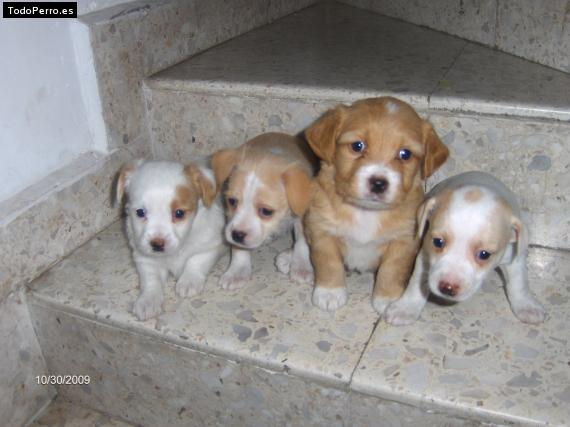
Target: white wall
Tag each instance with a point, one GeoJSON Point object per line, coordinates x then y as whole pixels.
{"type": "Point", "coordinates": [48, 115]}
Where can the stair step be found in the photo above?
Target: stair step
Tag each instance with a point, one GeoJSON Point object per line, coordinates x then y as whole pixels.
{"type": "Point", "coordinates": [62, 413]}
{"type": "Point", "coordinates": [496, 112]}
{"type": "Point", "coordinates": [264, 355]}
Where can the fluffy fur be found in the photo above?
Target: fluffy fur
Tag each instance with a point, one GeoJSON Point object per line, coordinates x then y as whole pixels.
{"type": "Point", "coordinates": [267, 191]}
{"type": "Point", "coordinates": [473, 226]}
{"type": "Point", "coordinates": [374, 156]}
{"type": "Point", "coordinates": [174, 225]}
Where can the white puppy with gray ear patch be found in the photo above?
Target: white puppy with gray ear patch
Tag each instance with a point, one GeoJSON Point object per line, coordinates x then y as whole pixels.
{"type": "Point", "coordinates": [473, 226]}
{"type": "Point", "coordinates": [174, 225]}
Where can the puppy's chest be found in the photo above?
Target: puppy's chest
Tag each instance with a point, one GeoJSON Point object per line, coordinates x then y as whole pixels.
{"type": "Point", "coordinates": [362, 239]}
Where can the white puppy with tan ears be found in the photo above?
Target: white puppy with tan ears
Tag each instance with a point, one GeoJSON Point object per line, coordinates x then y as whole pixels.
{"type": "Point", "coordinates": [473, 226]}
{"type": "Point", "coordinates": [268, 190]}
{"type": "Point", "coordinates": [174, 225]}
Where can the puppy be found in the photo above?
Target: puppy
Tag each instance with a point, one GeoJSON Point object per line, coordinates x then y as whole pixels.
{"type": "Point", "coordinates": [268, 190]}
{"type": "Point", "coordinates": [473, 225]}
{"type": "Point", "coordinates": [173, 226]}
{"type": "Point", "coordinates": [374, 155]}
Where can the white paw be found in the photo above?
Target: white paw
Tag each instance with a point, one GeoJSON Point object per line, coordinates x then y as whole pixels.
{"type": "Point", "coordinates": [283, 261]}
{"type": "Point", "coordinates": [380, 303]}
{"type": "Point", "coordinates": [147, 306]}
{"type": "Point", "coordinates": [189, 287]}
{"type": "Point", "coordinates": [235, 278]}
{"type": "Point", "coordinates": [302, 273]}
{"type": "Point", "coordinates": [529, 311]}
{"type": "Point", "coordinates": [329, 299]}
{"type": "Point", "coordinates": [399, 314]}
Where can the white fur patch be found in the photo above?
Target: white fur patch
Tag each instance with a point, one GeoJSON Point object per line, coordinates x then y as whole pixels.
{"type": "Point", "coordinates": [391, 107]}
{"type": "Point", "coordinates": [329, 299]}
{"type": "Point", "coordinates": [392, 177]}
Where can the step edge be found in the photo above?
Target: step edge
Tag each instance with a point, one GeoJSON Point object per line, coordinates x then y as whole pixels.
{"type": "Point", "coordinates": [45, 302]}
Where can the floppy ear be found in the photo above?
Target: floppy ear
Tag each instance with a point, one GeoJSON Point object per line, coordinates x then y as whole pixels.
{"type": "Point", "coordinates": [298, 189]}
{"type": "Point", "coordinates": [436, 153]}
{"type": "Point", "coordinates": [424, 212]}
{"type": "Point", "coordinates": [519, 234]}
{"type": "Point", "coordinates": [223, 161]}
{"type": "Point", "coordinates": [322, 134]}
{"type": "Point", "coordinates": [205, 184]}
{"type": "Point", "coordinates": [124, 179]}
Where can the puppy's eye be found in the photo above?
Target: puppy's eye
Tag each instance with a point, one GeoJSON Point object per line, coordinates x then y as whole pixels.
{"type": "Point", "coordinates": [179, 213]}
{"type": "Point", "coordinates": [439, 243]}
{"type": "Point", "coordinates": [404, 154]}
{"type": "Point", "coordinates": [266, 212]}
{"type": "Point", "coordinates": [232, 201]}
{"type": "Point", "coordinates": [483, 255]}
{"type": "Point", "coordinates": [358, 146]}
{"type": "Point", "coordinates": [141, 213]}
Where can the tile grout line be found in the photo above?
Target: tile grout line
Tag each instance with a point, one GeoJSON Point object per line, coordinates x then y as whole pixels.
{"type": "Point", "coordinates": [431, 93]}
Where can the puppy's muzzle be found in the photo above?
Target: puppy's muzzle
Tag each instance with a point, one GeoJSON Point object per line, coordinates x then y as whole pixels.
{"type": "Point", "coordinates": [448, 288]}
{"type": "Point", "coordinates": [157, 244]}
{"type": "Point", "coordinates": [377, 185]}
{"type": "Point", "coordinates": [238, 236]}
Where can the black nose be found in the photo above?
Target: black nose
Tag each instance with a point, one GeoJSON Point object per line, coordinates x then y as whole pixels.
{"type": "Point", "coordinates": [378, 185]}
{"type": "Point", "coordinates": [238, 236]}
{"type": "Point", "coordinates": [157, 245]}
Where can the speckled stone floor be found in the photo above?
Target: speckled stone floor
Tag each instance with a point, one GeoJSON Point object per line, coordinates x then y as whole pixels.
{"type": "Point", "coordinates": [472, 361]}
{"type": "Point", "coordinates": [62, 413]}
{"type": "Point", "coordinates": [331, 51]}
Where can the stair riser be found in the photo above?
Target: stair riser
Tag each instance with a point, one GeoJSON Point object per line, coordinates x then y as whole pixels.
{"type": "Point", "coordinates": [152, 383]}
{"type": "Point", "coordinates": [532, 157]}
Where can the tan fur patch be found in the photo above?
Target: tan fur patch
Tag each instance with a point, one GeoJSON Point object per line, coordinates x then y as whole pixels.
{"type": "Point", "coordinates": [185, 200]}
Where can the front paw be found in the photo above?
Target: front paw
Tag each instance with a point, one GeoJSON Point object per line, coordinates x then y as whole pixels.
{"type": "Point", "coordinates": [529, 311]}
{"type": "Point", "coordinates": [400, 313]}
{"type": "Point", "coordinates": [380, 303]}
{"type": "Point", "coordinates": [147, 306]}
{"type": "Point", "coordinates": [189, 287]}
{"type": "Point", "coordinates": [235, 278]}
{"type": "Point", "coordinates": [302, 274]}
{"type": "Point", "coordinates": [283, 261]}
{"type": "Point", "coordinates": [329, 299]}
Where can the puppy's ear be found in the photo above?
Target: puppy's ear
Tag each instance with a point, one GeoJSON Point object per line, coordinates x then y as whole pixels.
{"type": "Point", "coordinates": [424, 212]}
{"type": "Point", "coordinates": [205, 184]}
{"type": "Point", "coordinates": [124, 179]}
{"type": "Point", "coordinates": [436, 153]}
{"type": "Point", "coordinates": [322, 134]}
{"type": "Point", "coordinates": [298, 189]}
{"type": "Point", "coordinates": [223, 161]}
{"type": "Point", "coordinates": [519, 234]}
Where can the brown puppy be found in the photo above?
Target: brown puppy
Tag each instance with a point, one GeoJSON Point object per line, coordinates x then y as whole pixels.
{"type": "Point", "coordinates": [268, 189]}
{"type": "Point", "coordinates": [374, 155]}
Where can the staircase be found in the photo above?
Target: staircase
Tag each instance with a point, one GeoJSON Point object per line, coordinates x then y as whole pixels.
{"type": "Point", "coordinates": [264, 355]}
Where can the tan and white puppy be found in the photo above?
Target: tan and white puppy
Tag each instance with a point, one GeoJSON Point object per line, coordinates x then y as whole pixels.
{"type": "Point", "coordinates": [267, 192]}
{"type": "Point", "coordinates": [174, 225]}
{"type": "Point", "coordinates": [375, 155]}
{"type": "Point", "coordinates": [473, 225]}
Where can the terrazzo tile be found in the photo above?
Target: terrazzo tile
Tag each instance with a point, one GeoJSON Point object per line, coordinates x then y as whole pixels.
{"type": "Point", "coordinates": [270, 323]}
{"type": "Point", "coordinates": [185, 124]}
{"type": "Point", "coordinates": [487, 81]}
{"type": "Point", "coordinates": [471, 19]}
{"type": "Point", "coordinates": [131, 41]}
{"type": "Point", "coordinates": [531, 157]}
{"type": "Point", "coordinates": [477, 359]}
{"type": "Point", "coordinates": [324, 53]}
{"type": "Point", "coordinates": [537, 30]}
{"type": "Point", "coordinates": [21, 397]}
{"type": "Point", "coordinates": [62, 413]}
{"type": "Point", "coordinates": [152, 382]}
